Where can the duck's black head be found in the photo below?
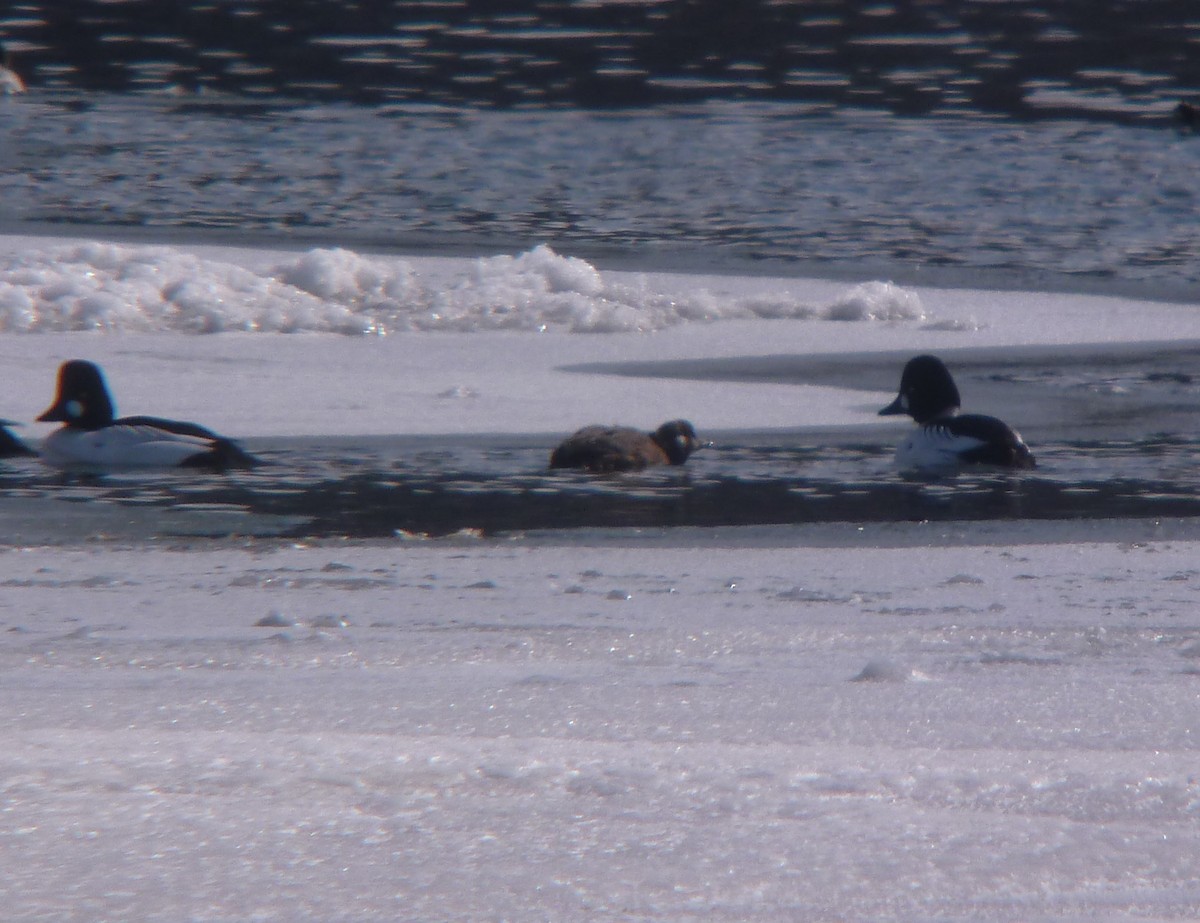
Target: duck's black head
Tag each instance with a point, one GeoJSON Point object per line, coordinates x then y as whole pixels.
{"type": "Point", "coordinates": [678, 439]}
{"type": "Point", "coordinates": [926, 391]}
{"type": "Point", "coordinates": [82, 400]}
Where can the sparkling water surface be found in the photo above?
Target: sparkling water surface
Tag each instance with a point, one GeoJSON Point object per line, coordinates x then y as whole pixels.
{"type": "Point", "coordinates": [743, 187]}
{"type": "Point", "coordinates": [1037, 142]}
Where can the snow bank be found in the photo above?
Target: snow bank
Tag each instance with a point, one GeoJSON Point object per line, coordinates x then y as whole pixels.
{"type": "Point", "coordinates": [97, 286]}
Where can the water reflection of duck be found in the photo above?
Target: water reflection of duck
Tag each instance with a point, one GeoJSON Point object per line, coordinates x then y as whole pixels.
{"type": "Point", "coordinates": [1187, 116]}
{"type": "Point", "coordinates": [10, 80]}
{"type": "Point", "coordinates": [621, 448]}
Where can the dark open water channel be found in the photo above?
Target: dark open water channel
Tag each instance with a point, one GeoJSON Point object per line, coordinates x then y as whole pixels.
{"type": "Point", "coordinates": [386, 488]}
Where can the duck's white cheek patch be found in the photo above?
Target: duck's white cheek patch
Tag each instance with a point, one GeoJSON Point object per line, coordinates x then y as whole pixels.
{"type": "Point", "coordinates": [74, 409]}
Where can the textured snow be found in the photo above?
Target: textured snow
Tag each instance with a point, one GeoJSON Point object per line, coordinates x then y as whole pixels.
{"type": "Point", "coordinates": [717, 730]}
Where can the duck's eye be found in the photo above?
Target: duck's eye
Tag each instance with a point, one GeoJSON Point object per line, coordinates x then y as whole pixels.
{"type": "Point", "coordinates": [74, 409]}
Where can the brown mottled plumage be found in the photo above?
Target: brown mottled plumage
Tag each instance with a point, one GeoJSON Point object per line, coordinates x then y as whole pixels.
{"type": "Point", "coordinates": [621, 448]}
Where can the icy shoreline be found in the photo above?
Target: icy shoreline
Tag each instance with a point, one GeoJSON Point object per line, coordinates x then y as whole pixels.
{"type": "Point", "coordinates": [884, 721]}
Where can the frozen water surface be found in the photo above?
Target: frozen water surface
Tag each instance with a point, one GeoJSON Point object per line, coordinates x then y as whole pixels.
{"type": "Point", "coordinates": [402, 672]}
{"type": "Point", "coordinates": [728, 726]}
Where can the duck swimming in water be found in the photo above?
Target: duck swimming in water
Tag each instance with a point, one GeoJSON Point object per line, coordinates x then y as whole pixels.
{"type": "Point", "coordinates": [622, 448]}
{"type": "Point", "coordinates": [92, 437]}
{"type": "Point", "coordinates": [944, 438]}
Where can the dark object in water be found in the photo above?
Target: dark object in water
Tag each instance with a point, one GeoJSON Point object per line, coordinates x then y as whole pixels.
{"type": "Point", "coordinates": [1187, 116]}
{"type": "Point", "coordinates": [93, 437]}
{"type": "Point", "coordinates": [946, 438]}
{"type": "Point", "coordinates": [10, 445]}
{"type": "Point", "coordinates": [621, 448]}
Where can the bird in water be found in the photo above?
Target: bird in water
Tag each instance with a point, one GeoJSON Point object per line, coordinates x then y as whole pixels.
{"type": "Point", "coordinates": [92, 437]}
{"type": "Point", "coordinates": [944, 437]}
{"type": "Point", "coordinates": [622, 448]}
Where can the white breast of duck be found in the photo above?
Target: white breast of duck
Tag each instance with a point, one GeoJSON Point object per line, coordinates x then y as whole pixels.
{"type": "Point", "coordinates": [950, 441]}
{"type": "Point", "coordinates": [92, 438]}
{"type": "Point", "coordinates": [128, 445]}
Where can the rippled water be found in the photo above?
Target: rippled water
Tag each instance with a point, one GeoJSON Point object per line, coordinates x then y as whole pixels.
{"type": "Point", "coordinates": [1129, 60]}
{"type": "Point", "coordinates": [731, 185]}
{"type": "Point", "coordinates": [1036, 144]}
{"type": "Point", "coordinates": [369, 489]}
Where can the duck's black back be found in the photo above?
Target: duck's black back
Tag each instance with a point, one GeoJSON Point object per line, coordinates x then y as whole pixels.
{"type": "Point", "coordinates": [1002, 445]}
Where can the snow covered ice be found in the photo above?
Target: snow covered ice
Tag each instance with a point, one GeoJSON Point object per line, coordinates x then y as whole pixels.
{"type": "Point", "coordinates": [873, 721]}
{"type": "Point", "coordinates": [495, 730]}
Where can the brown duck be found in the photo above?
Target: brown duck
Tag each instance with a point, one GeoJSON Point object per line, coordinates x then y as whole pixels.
{"type": "Point", "coordinates": [622, 448]}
